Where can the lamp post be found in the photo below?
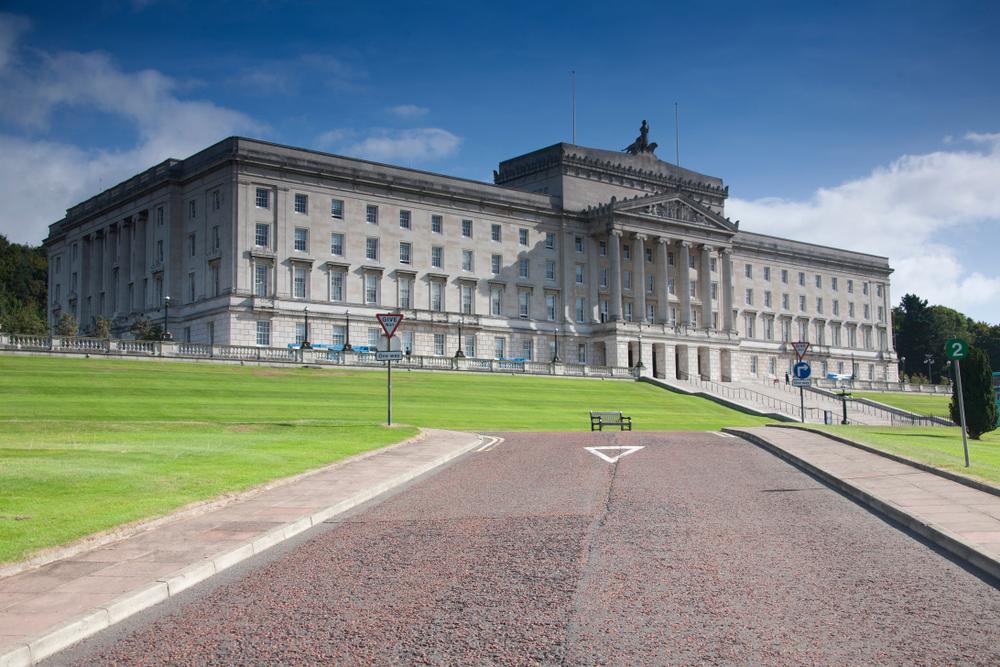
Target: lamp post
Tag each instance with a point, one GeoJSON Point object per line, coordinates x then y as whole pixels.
{"type": "Point", "coordinates": [929, 359]}
{"type": "Point", "coordinates": [305, 344]}
{"type": "Point", "coordinates": [458, 353]}
{"type": "Point", "coordinates": [902, 362]}
{"type": "Point", "coordinates": [347, 332]}
{"type": "Point", "coordinates": [166, 317]}
{"type": "Point", "coordinates": [555, 352]}
{"type": "Point", "coordinates": [639, 366]}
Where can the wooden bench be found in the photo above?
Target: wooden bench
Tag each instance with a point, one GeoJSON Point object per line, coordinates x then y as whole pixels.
{"type": "Point", "coordinates": [598, 420]}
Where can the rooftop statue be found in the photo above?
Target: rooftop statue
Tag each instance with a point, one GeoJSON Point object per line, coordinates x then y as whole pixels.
{"type": "Point", "coordinates": [641, 144]}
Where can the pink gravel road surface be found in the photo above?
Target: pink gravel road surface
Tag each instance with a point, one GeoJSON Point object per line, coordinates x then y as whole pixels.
{"type": "Point", "coordinates": [695, 549]}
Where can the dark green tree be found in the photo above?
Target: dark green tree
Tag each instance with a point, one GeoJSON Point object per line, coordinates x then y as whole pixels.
{"type": "Point", "coordinates": [143, 329]}
{"type": "Point", "coordinates": [912, 323]}
{"type": "Point", "coordinates": [67, 325]}
{"type": "Point", "coordinates": [23, 287]}
{"type": "Point", "coordinates": [978, 394]}
{"type": "Point", "coordinates": [987, 338]}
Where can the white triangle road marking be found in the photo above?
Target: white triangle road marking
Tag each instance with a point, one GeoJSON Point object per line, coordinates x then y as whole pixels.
{"type": "Point", "coordinates": [722, 435]}
{"type": "Point", "coordinates": [622, 451]}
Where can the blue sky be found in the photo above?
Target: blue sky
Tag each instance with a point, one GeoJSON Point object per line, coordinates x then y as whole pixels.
{"type": "Point", "coordinates": [873, 126]}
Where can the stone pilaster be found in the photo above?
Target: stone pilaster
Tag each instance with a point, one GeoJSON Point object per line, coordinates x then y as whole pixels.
{"type": "Point", "coordinates": [639, 286]}
{"type": "Point", "coordinates": [661, 270]}
{"type": "Point", "coordinates": [727, 289]}
{"type": "Point", "coordinates": [705, 286]}
{"type": "Point", "coordinates": [615, 250]}
{"type": "Point", "coordinates": [684, 283]}
{"type": "Point", "coordinates": [593, 275]}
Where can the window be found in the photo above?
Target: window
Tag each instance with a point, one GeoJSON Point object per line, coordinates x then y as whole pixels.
{"type": "Point", "coordinates": [603, 311]}
{"type": "Point", "coordinates": [437, 295]}
{"type": "Point", "coordinates": [772, 366]}
{"type": "Point", "coordinates": [802, 279]}
{"type": "Point", "coordinates": [337, 244]}
{"type": "Point", "coordinates": [604, 276]}
{"type": "Point", "coordinates": [550, 270]}
{"type": "Point", "coordinates": [694, 288]}
{"type": "Point", "coordinates": [192, 209]}
{"type": "Point", "coordinates": [213, 277]}
{"type": "Point", "coordinates": [836, 307]}
{"type": "Point", "coordinates": [404, 220]}
{"type": "Point", "coordinates": [405, 292]}
{"type": "Point", "coordinates": [581, 353]}
{"type": "Point", "coordinates": [261, 236]}
{"type": "Point", "coordinates": [371, 287]}
{"type": "Point", "coordinates": [626, 280]}
{"type": "Point", "coordinates": [749, 297]}
{"type": "Point", "coordinates": [470, 345]}
{"type": "Point", "coordinates": [263, 198]}
{"type": "Point", "coordinates": [216, 239]}
{"type": "Point", "coordinates": [802, 304]}
{"type": "Point", "coordinates": [581, 309]}
{"type": "Point", "coordinates": [748, 270]}
{"type": "Point", "coordinates": [784, 302]}
{"type": "Point", "coordinates": [467, 228]}
{"type": "Point", "coordinates": [550, 307]}
{"type": "Point", "coordinates": [786, 330]}
{"type": "Point", "coordinates": [496, 300]}
{"type": "Point", "coordinates": [260, 280]}
{"type": "Point", "coordinates": [299, 282]}
{"type": "Point", "coordinates": [878, 290]}
{"type": "Point", "coordinates": [578, 243]}
{"type": "Point", "coordinates": [881, 314]}
{"type": "Point", "coordinates": [495, 232]}
{"type": "Point", "coordinates": [523, 302]}
{"type": "Point", "coordinates": [373, 336]}
{"type": "Point", "coordinates": [300, 332]}
{"type": "Point", "coordinates": [522, 236]}
{"type": "Point", "coordinates": [437, 257]}
{"type": "Point", "coordinates": [819, 305]}
{"type": "Point", "coordinates": [527, 349]}
{"type": "Point", "coordinates": [337, 208]}
{"type": "Point", "coordinates": [864, 288]}
{"type": "Point", "coordinates": [467, 260]}
{"type": "Point", "coordinates": [603, 248]}
{"type": "Point", "coordinates": [868, 312]}
{"type": "Point", "coordinates": [159, 250]}
{"type": "Point", "coordinates": [627, 251]}
{"type": "Point", "coordinates": [852, 337]}
{"type": "Point", "coordinates": [850, 309]}
{"type": "Point", "coordinates": [671, 286]}
{"type": "Point", "coordinates": [159, 223]}
{"type": "Point", "coordinates": [522, 267]}
{"type": "Point", "coordinates": [550, 240]}
{"type": "Point", "coordinates": [784, 276]}
{"type": "Point", "coordinates": [439, 344]}
{"type": "Point", "coordinates": [819, 281]}
{"type": "Point", "coordinates": [190, 287]}
{"type": "Point", "coordinates": [767, 299]}
{"type": "Point", "coordinates": [371, 214]}
{"type": "Point", "coordinates": [850, 286]}
{"type": "Point", "coordinates": [336, 286]}
{"type": "Point", "coordinates": [264, 334]}
{"type": "Point", "coordinates": [301, 239]}
{"type": "Point", "coordinates": [715, 292]}
{"type": "Point", "coordinates": [58, 264]}
{"type": "Point", "coordinates": [371, 248]}
{"type": "Point", "coordinates": [820, 331]}
{"type": "Point", "coordinates": [628, 311]}
{"type": "Point", "coordinates": [498, 347]}
{"type": "Point", "coordinates": [690, 261]}
{"type": "Point", "coordinates": [833, 283]}
{"type": "Point", "coordinates": [191, 245]}
{"type": "Point", "coordinates": [767, 273]}
{"type": "Point", "coordinates": [405, 250]}
{"type": "Point", "coordinates": [768, 328]}
{"type": "Point", "coordinates": [713, 266]}
{"type": "Point", "coordinates": [301, 203]}
{"type": "Point", "coordinates": [804, 330]}
{"type": "Point", "coordinates": [835, 335]}
{"type": "Point", "coordinates": [650, 280]}
{"type": "Point", "coordinates": [495, 262]}
{"type": "Point", "coordinates": [670, 259]}
{"type": "Point", "coordinates": [436, 224]}
{"type": "Point", "coordinates": [466, 294]}
{"type": "Point", "coordinates": [649, 255]}
{"type": "Point", "coordinates": [216, 200]}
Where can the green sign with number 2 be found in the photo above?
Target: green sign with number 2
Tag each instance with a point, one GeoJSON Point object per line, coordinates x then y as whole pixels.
{"type": "Point", "coordinates": [956, 349]}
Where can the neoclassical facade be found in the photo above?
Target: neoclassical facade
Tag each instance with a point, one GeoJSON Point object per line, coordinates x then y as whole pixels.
{"type": "Point", "coordinates": [602, 257]}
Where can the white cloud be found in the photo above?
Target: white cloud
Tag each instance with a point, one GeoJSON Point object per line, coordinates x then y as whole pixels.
{"type": "Point", "coordinates": [414, 145]}
{"type": "Point", "coordinates": [408, 111]}
{"type": "Point", "coordinates": [40, 178]}
{"type": "Point", "coordinates": [332, 138]}
{"type": "Point", "coordinates": [907, 211]}
{"type": "Point", "coordinates": [11, 27]}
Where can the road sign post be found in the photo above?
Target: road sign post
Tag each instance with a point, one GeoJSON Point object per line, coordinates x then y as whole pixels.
{"type": "Point", "coordinates": [389, 322]}
{"type": "Point", "coordinates": [957, 349]}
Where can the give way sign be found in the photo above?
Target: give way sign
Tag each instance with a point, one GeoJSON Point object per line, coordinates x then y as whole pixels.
{"type": "Point", "coordinates": [389, 322]}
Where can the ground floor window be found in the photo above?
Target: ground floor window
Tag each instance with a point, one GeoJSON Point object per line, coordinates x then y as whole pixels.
{"type": "Point", "coordinates": [264, 334]}
{"type": "Point", "coordinates": [470, 345]}
{"type": "Point", "coordinates": [439, 344]}
{"type": "Point", "coordinates": [373, 334]}
{"type": "Point", "coordinates": [499, 344]}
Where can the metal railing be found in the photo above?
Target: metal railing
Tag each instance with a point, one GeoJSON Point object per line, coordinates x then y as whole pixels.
{"type": "Point", "coordinates": [744, 395]}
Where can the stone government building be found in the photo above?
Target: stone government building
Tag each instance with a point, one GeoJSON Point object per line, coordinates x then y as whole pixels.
{"type": "Point", "coordinates": [598, 249]}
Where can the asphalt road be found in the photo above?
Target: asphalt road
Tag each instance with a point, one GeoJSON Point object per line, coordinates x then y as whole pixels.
{"type": "Point", "coordinates": [694, 549]}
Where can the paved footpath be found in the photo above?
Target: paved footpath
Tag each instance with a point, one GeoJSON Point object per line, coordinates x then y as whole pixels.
{"type": "Point", "coordinates": [961, 519]}
{"type": "Point", "coordinates": [696, 548]}
{"type": "Point", "coordinates": [47, 608]}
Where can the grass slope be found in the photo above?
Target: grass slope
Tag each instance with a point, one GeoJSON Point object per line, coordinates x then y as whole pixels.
{"type": "Point", "coordinates": [937, 446]}
{"type": "Point", "coordinates": [922, 404]}
{"type": "Point", "coordinates": [88, 444]}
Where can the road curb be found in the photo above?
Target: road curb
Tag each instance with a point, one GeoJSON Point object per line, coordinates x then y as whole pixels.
{"type": "Point", "coordinates": [951, 476]}
{"type": "Point", "coordinates": [90, 623]}
{"type": "Point", "coordinates": [935, 534]}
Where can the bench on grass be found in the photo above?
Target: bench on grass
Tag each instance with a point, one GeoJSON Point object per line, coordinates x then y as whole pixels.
{"type": "Point", "coordinates": [598, 420]}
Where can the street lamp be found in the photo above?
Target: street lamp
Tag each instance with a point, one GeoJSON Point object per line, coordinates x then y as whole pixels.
{"type": "Point", "coordinates": [347, 332]}
{"type": "Point", "coordinates": [166, 316]}
{"type": "Point", "coordinates": [555, 352]}
{"type": "Point", "coordinates": [929, 359]}
{"type": "Point", "coordinates": [902, 362]}
{"type": "Point", "coordinates": [458, 353]}
{"type": "Point", "coordinates": [305, 344]}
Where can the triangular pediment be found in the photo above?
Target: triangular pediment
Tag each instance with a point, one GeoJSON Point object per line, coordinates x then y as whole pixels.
{"type": "Point", "coordinates": [675, 207]}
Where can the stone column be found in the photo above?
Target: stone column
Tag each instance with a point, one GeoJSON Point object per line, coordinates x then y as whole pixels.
{"type": "Point", "coordinates": [569, 277]}
{"type": "Point", "coordinates": [593, 275]}
{"type": "Point", "coordinates": [661, 270]}
{"type": "Point", "coordinates": [615, 249]}
{"type": "Point", "coordinates": [639, 286]}
{"type": "Point", "coordinates": [684, 283]}
{"type": "Point", "coordinates": [727, 289]}
{"type": "Point", "coordinates": [705, 280]}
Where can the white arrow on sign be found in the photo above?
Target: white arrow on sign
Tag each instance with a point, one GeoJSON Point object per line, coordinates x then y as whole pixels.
{"type": "Point", "coordinates": [622, 451]}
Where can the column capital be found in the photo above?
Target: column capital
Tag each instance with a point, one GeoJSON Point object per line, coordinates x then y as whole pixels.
{"type": "Point", "coordinates": [685, 244]}
{"type": "Point", "coordinates": [726, 251]}
{"type": "Point", "coordinates": [706, 248]}
{"type": "Point", "coordinates": [616, 232]}
{"type": "Point", "coordinates": [639, 236]}
{"type": "Point", "coordinates": [663, 240]}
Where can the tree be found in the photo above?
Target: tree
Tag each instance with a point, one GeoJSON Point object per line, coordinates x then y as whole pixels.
{"type": "Point", "coordinates": [912, 323]}
{"type": "Point", "coordinates": [987, 338]}
{"type": "Point", "coordinates": [23, 287]}
{"type": "Point", "coordinates": [67, 325]}
{"type": "Point", "coordinates": [979, 397]}
{"type": "Point", "coordinates": [102, 327]}
{"type": "Point", "coordinates": [143, 329]}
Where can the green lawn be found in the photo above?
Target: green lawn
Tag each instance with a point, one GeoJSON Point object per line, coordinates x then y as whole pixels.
{"type": "Point", "coordinates": [937, 446]}
{"type": "Point", "coordinates": [88, 444]}
{"type": "Point", "coordinates": [922, 404]}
